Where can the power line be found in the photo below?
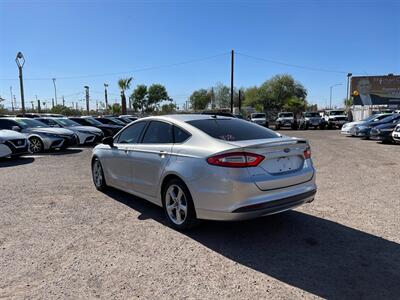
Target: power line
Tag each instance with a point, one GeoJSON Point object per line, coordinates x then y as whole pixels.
{"type": "Point", "coordinates": [127, 72]}
{"type": "Point", "coordinates": [292, 65]}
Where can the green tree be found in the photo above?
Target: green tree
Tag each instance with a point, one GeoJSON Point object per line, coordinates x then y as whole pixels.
{"type": "Point", "coordinates": [156, 94]}
{"type": "Point", "coordinates": [348, 102]}
{"type": "Point", "coordinates": [168, 108]}
{"type": "Point", "coordinates": [294, 105]}
{"type": "Point", "coordinates": [139, 97]}
{"type": "Point", "coordinates": [275, 93]}
{"type": "Point", "coordinates": [116, 109]}
{"type": "Point", "coordinates": [124, 84]}
{"type": "Point", "coordinates": [200, 99]}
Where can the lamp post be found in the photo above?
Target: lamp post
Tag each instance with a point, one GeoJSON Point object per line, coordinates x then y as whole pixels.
{"type": "Point", "coordinates": [330, 95]}
{"type": "Point", "coordinates": [55, 89]}
{"type": "Point", "coordinates": [106, 96]}
{"type": "Point", "coordinates": [348, 87]}
{"type": "Point", "coordinates": [87, 98]}
{"type": "Point", "coordinates": [20, 60]}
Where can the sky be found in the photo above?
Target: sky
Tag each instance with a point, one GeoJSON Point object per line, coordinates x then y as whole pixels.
{"type": "Point", "coordinates": [185, 45]}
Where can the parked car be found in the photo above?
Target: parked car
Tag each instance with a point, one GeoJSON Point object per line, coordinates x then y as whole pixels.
{"type": "Point", "coordinates": [108, 129]}
{"type": "Point", "coordinates": [111, 121]}
{"type": "Point", "coordinates": [364, 130]}
{"type": "Point", "coordinates": [285, 119]}
{"type": "Point", "coordinates": [13, 143]}
{"type": "Point", "coordinates": [206, 167]}
{"type": "Point", "coordinates": [88, 135]}
{"type": "Point", "coordinates": [311, 119]}
{"type": "Point", "coordinates": [335, 118]}
{"type": "Point", "coordinates": [396, 134]}
{"type": "Point", "coordinates": [384, 132]}
{"type": "Point", "coordinates": [259, 118]}
{"type": "Point", "coordinates": [376, 117]}
{"type": "Point", "coordinates": [218, 113]}
{"type": "Point", "coordinates": [127, 118]}
{"type": "Point", "coordinates": [41, 137]}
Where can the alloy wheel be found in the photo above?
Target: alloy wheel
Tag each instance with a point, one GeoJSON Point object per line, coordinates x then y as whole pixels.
{"type": "Point", "coordinates": [97, 174]}
{"type": "Point", "coordinates": [35, 145]}
{"type": "Point", "coordinates": [176, 204]}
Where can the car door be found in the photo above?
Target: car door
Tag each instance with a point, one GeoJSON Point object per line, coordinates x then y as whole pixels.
{"type": "Point", "coordinates": [118, 162]}
{"type": "Point", "coordinates": [151, 157]}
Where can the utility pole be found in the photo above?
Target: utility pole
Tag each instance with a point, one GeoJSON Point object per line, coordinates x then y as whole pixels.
{"type": "Point", "coordinates": [52, 102]}
{"type": "Point", "coordinates": [38, 104]}
{"type": "Point", "coordinates": [63, 101]}
{"type": "Point", "coordinates": [55, 90]}
{"type": "Point", "coordinates": [240, 100]}
{"type": "Point", "coordinates": [15, 103]}
{"type": "Point", "coordinates": [106, 96]}
{"type": "Point", "coordinates": [212, 97]}
{"type": "Point", "coordinates": [330, 94]}
{"type": "Point", "coordinates": [12, 99]}
{"type": "Point", "coordinates": [348, 87]}
{"type": "Point", "coordinates": [232, 61]}
{"type": "Point", "coordinates": [87, 98]}
{"type": "Point", "coordinates": [33, 108]}
{"type": "Point", "coordinates": [20, 60]}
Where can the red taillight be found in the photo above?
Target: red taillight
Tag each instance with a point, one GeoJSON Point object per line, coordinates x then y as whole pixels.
{"type": "Point", "coordinates": [307, 153]}
{"type": "Point", "coordinates": [236, 160]}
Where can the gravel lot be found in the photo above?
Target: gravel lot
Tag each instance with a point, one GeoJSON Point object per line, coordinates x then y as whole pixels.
{"type": "Point", "coordinates": [60, 238]}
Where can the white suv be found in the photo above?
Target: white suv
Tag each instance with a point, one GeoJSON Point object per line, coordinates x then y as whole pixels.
{"type": "Point", "coordinates": [259, 118]}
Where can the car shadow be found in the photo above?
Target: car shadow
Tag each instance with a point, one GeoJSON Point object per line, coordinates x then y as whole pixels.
{"type": "Point", "coordinates": [317, 255]}
{"type": "Point", "coordinates": [16, 161]}
{"type": "Point", "coordinates": [60, 152]}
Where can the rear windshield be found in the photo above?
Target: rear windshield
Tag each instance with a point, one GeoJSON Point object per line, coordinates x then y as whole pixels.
{"type": "Point", "coordinates": [255, 116]}
{"type": "Point", "coordinates": [233, 129]}
{"type": "Point", "coordinates": [312, 114]}
{"type": "Point", "coordinates": [285, 115]}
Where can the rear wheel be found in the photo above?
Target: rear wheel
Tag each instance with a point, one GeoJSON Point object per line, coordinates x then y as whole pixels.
{"type": "Point", "coordinates": [35, 145]}
{"type": "Point", "coordinates": [98, 175]}
{"type": "Point", "coordinates": [178, 205]}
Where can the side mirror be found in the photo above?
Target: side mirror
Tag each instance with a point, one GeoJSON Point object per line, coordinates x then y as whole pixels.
{"type": "Point", "coordinates": [109, 140]}
{"type": "Point", "coordinates": [16, 128]}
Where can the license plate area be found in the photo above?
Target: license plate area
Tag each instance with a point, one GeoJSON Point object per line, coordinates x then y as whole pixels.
{"type": "Point", "coordinates": [283, 164]}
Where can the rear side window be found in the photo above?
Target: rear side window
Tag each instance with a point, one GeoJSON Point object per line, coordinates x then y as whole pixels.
{"type": "Point", "coordinates": [233, 129]}
{"type": "Point", "coordinates": [180, 135]}
{"type": "Point", "coordinates": [131, 134]}
{"type": "Point", "coordinates": [6, 124]}
{"type": "Point", "coordinates": [158, 133]}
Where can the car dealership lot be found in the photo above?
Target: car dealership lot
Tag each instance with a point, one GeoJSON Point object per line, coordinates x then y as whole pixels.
{"type": "Point", "coordinates": [59, 237]}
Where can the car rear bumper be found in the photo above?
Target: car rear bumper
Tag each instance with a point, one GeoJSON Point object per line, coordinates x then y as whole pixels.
{"type": "Point", "coordinates": [260, 209]}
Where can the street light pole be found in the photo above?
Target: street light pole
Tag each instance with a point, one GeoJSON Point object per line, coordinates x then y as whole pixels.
{"type": "Point", "coordinates": [87, 98]}
{"type": "Point", "coordinates": [106, 96]}
{"type": "Point", "coordinates": [330, 95]}
{"type": "Point", "coordinates": [232, 62]}
{"type": "Point", "coordinates": [20, 60]}
{"type": "Point", "coordinates": [348, 87]}
{"type": "Point", "coordinates": [12, 99]}
{"type": "Point", "coordinates": [55, 89]}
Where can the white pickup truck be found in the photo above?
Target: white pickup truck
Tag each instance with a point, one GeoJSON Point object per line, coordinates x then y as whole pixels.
{"type": "Point", "coordinates": [335, 118]}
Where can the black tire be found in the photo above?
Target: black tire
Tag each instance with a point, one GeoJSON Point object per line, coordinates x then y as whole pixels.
{"type": "Point", "coordinates": [98, 178]}
{"type": "Point", "coordinates": [190, 219]}
{"type": "Point", "coordinates": [277, 127]}
{"type": "Point", "coordinates": [35, 145]}
{"type": "Point", "coordinates": [322, 126]}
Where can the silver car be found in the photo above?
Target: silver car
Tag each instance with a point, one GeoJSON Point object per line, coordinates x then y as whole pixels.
{"type": "Point", "coordinates": [206, 167]}
{"type": "Point", "coordinates": [40, 136]}
{"type": "Point", "coordinates": [87, 135]}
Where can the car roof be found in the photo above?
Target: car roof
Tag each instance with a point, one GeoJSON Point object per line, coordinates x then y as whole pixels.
{"type": "Point", "coordinates": [186, 117]}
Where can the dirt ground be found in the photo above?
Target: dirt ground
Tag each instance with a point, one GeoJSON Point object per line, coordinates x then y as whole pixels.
{"type": "Point", "coordinates": [60, 238]}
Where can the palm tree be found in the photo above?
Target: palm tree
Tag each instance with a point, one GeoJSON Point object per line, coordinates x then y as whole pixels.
{"type": "Point", "coordinates": [124, 84]}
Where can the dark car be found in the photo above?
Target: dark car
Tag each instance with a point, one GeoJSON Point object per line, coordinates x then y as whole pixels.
{"type": "Point", "coordinates": [111, 121]}
{"type": "Point", "coordinates": [384, 132]}
{"type": "Point", "coordinates": [218, 113]}
{"type": "Point", "coordinates": [108, 129]}
{"type": "Point", "coordinates": [364, 130]}
{"type": "Point", "coordinates": [127, 118]}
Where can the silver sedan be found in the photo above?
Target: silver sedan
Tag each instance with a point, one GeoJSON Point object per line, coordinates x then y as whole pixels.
{"type": "Point", "coordinates": [206, 167]}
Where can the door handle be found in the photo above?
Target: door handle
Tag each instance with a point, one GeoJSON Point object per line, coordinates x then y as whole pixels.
{"type": "Point", "coordinates": [162, 153]}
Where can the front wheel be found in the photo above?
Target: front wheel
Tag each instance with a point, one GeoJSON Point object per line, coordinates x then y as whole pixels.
{"type": "Point", "coordinates": [98, 175]}
{"type": "Point", "coordinates": [35, 145]}
{"type": "Point", "coordinates": [178, 205]}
